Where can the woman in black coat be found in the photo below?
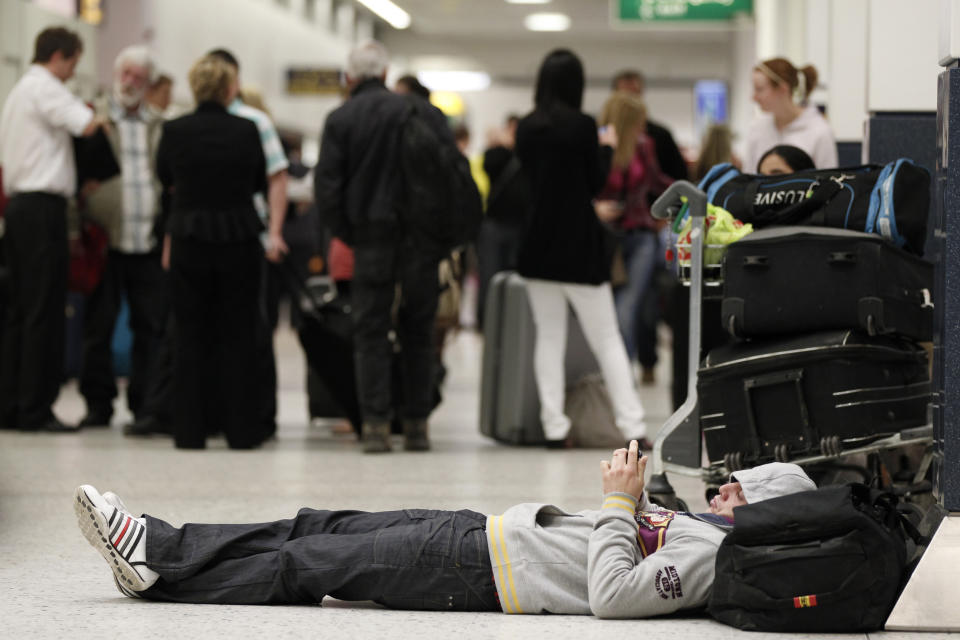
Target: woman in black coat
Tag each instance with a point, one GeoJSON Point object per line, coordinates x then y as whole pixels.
{"type": "Point", "coordinates": [564, 255]}
{"type": "Point", "coordinates": [213, 163]}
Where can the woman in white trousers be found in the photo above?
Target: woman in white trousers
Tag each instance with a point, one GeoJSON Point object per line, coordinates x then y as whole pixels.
{"type": "Point", "coordinates": [594, 308]}
{"type": "Point", "coordinates": [564, 256]}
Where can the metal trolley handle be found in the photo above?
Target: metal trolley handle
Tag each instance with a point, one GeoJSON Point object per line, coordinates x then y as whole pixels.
{"type": "Point", "coordinates": [668, 205]}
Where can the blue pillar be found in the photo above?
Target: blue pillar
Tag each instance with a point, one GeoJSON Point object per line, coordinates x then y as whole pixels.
{"type": "Point", "coordinates": [945, 408]}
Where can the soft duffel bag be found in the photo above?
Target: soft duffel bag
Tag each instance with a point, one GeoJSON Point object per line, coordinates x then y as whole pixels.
{"type": "Point", "coordinates": [892, 200]}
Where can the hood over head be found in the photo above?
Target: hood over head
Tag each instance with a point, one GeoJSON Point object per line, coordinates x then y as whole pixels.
{"type": "Point", "coordinates": [772, 481]}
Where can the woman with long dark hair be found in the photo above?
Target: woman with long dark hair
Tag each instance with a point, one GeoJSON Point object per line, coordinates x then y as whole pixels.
{"type": "Point", "coordinates": [564, 255]}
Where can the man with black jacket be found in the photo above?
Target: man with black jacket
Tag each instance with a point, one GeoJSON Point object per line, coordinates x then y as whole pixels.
{"type": "Point", "coordinates": [359, 194]}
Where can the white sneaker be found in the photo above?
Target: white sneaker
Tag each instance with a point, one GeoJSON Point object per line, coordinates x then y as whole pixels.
{"type": "Point", "coordinates": [118, 536]}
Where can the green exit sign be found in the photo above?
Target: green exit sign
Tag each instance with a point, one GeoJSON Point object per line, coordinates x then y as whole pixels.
{"type": "Point", "coordinates": [673, 10]}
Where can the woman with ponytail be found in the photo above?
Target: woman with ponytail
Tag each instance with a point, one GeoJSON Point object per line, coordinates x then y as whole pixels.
{"type": "Point", "coordinates": [782, 92]}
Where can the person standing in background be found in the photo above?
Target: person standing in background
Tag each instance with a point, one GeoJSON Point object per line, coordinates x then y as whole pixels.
{"type": "Point", "coordinates": [359, 194]}
{"type": "Point", "coordinates": [213, 163]}
{"type": "Point", "coordinates": [159, 95]}
{"type": "Point", "coordinates": [128, 207]}
{"type": "Point", "coordinates": [782, 92]}
{"type": "Point", "coordinates": [506, 214]}
{"type": "Point", "coordinates": [563, 255]}
{"type": "Point", "coordinates": [39, 175]}
{"type": "Point", "coordinates": [717, 148]}
{"type": "Point", "coordinates": [668, 154]}
{"type": "Point", "coordinates": [624, 203]}
{"type": "Point", "coordinates": [672, 164]}
{"type": "Point", "coordinates": [274, 212]}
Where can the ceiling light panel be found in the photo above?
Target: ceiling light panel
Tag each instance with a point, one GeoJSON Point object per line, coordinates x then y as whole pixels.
{"type": "Point", "coordinates": [547, 22]}
{"type": "Point", "coordinates": [454, 80]}
{"type": "Point", "coordinates": [389, 11]}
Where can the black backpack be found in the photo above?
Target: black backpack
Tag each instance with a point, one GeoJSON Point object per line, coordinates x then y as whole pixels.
{"type": "Point", "coordinates": [442, 208]}
{"type": "Point", "coordinates": [891, 200]}
{"type": "Point", "coordinates": [829, 560]}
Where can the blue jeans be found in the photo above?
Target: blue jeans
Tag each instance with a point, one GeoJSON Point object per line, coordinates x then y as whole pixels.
{"type": "Point", "coordinates": [410, 559]}
{"type": "Point", "coordinates": [640, 254]}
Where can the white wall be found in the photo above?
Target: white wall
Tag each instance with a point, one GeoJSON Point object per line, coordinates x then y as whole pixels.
{"type": "Point", "coordinates": [902, 55]}
{"type": "Point", "coordinates": [847, 101]}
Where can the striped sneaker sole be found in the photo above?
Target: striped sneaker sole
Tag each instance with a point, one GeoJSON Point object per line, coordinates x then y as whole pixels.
{"type": "Point", "coordinates": [99, 532]}
{"type": "Point", "coordinates": [124, 590]}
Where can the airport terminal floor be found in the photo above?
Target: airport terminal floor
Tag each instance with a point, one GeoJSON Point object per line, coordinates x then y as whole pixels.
{"type": "Point", "coordinates": [52, 585]}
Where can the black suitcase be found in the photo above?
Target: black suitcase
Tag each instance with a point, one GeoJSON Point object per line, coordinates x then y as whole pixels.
{"type": "Point", "coordinates": [811, 395]}
{"type": "Point", "coordinates": [788, 280]}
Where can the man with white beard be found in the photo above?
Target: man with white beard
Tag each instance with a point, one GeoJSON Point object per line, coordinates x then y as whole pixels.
{"type": "Point", "coordinates": [127, 205]}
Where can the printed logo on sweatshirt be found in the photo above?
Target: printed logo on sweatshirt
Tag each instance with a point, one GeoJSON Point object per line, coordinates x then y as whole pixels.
{"type": "Point", "coordinates": [652, 529]}
{"type": "Point", "coordinates": [667, 582]}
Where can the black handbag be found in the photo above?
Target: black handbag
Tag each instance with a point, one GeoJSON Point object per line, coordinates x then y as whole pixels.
{"type": "Point", "coordinates": [829, 560]}
{"type": "Point", "coordinates": [892, 200]}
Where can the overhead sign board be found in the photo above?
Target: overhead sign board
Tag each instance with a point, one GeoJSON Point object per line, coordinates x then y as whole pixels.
{"type": "Point", "coordinates": [313, 82]}
{"type": "Point", "coordinates": [634, 11]}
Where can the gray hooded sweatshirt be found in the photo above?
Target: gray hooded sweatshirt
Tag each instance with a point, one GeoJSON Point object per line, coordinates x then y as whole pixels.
{"type": "Point", "coordinates": [630, 559]}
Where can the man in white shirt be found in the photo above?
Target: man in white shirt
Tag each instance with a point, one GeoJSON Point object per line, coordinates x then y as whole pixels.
{"type": "Point", "coordinates": [127, 205]}
{"type": "Point", "coordinates": [39, 173]}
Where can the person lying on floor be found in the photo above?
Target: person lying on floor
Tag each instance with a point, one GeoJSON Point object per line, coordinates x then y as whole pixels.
{"type": "Point", "coordinates": [630, 559]}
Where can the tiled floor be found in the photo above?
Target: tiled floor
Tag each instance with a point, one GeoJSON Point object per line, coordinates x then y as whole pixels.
{"type": "Point", "coordinates": [52, 584]}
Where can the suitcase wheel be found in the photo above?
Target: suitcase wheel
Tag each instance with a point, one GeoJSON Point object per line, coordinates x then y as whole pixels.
{"type": "Point", "coordinates": [733, 461]}
{"type": "Point", "coordinates": [831, 446]}
{"type": "Point", "coordinates": [781, 453]}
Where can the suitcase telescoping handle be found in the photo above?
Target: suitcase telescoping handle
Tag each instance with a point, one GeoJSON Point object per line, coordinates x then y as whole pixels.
{"type": "Point", "coordinates": [668, 206]}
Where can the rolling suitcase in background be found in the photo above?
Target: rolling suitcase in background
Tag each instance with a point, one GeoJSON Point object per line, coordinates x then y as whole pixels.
{"type": "Point", "coordinates": [509, 401]}
{"type": "Point", "coordinates": [787, 280]}
{"type": "Point", "coordinates": [801, 396]}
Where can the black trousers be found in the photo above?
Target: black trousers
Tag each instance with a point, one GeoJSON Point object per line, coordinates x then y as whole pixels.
{"type": "Point", "coordinates": [34, 336]}
{"type": "Point", "coordinates": [141, 279]}
{"type": "Point", "coordinates": [411, 559]}
{"type": "Point", "coordinates": [379, 271]}
{"type": "Point", "coordinates": [215, 294]}
{"type": "Point", "coordinates": [270, 288]}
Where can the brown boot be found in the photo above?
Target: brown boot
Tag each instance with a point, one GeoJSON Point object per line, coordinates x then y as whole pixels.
{"type": "Point", "coordinates": [415, 435]}
{"type": "Point", "coordinates": [375, 436]}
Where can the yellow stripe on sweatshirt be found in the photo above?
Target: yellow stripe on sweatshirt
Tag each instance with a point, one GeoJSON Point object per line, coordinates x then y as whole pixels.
{"type": "Point", "coordinates": [505, 600]}
{"type": "Point", "coordinates": [620, 503]}
{"type": "Point", "coordinates": [506, 558]}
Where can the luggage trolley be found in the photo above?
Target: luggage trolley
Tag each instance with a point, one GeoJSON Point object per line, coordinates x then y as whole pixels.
{"type": "Point", "coordinates": [678, 445]}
